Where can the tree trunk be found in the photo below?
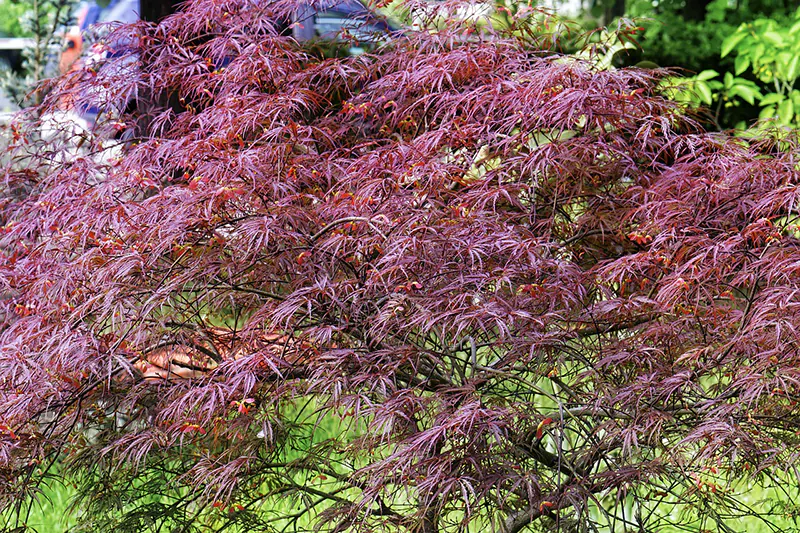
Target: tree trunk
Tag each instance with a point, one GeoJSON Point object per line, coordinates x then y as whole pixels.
{"type": "Point", "coordinates": [611, 9]}
{"type": "Point", "coordinates": [695, 9]}
{"type": "Point", "coordinates": [155, 10]}
{"type": "Point", "coordinates": [615, 9]}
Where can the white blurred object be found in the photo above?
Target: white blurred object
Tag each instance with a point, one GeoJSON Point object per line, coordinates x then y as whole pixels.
{"type": "Point", "coordinates": [565, 8]}
{"type": "Point", "coordinates": [63, 124]}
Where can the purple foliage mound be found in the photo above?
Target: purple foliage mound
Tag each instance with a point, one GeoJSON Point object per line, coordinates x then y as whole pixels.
{"type": "Point", "coordinates": [455, 283]}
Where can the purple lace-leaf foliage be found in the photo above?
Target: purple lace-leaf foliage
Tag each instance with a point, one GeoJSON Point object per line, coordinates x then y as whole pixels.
{"type": "Point", "coordinates": [458, 281]}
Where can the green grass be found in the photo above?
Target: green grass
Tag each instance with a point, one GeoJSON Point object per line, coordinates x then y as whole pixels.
{"type": "Point", "coordinates": [52, 512]}
{"type": "Point", "coordinates": [776, 504]}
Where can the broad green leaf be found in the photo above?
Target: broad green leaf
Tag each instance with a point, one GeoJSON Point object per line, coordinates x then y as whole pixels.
{"type": "Point", "coordinates": [757, 52]}
{"type": "Point", "coordinates": [704, 92]}
{"type": "Point", "coordinates": [774, 38]}
{"type": "Point", "coordinates": [793, 68]}
{"type": "Point", "coordinates": [767, 112]}
{"type": "Point", "coordinates": [782, 64]}
{"type": "Point", "coordinates": [741, 63]}
{"type": "Point", "coordinates": [786, 112]}
{"type": "Point", "coordinates": [771, 98]}
{"type": "Point", "coordinates": [728, 80]}
{"type": "Point", "coordinates": [731, 41]}
{"type": "Point", "coordinates": [706, 75]}
{"type": "Point", "coordinates": [747, 93]}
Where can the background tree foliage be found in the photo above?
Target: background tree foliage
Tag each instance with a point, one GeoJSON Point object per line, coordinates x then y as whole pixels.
{"type": "Point", "coordinates": [10, 15]}
{"type": "Point", "coordinates": [44, 22]}
{"type": "Point", "coordinates": [697, 44]}
{"type": "Point", "coordinates": [461, 282]}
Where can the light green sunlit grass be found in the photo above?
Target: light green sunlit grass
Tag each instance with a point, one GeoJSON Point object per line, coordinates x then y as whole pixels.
{"type": "Point", "coordinates": [52, 513]}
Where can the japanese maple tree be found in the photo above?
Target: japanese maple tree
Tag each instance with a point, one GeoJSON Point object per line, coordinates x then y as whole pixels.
{"type": "Point", "coordinates": [458, 282]}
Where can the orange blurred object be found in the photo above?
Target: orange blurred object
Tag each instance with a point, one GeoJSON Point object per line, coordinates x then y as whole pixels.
{"type": "Point", "coordinates": [73, 42]}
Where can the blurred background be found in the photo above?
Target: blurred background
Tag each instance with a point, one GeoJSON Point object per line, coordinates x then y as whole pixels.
{"type": "Point", "coordinates": [738, 59]}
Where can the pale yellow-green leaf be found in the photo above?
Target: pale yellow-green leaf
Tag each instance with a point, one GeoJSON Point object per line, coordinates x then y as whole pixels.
{"type": "Point", "coordinates": [706, 75]}
{"type": "Point", "coordinates": [728, 79]}
{"type": "Point", "coordinates": [774, 38]}
{"type": "Point", "coordinates": [732, 40]}
{"type": "Point", "coordinates": [771, 98]}
{"type": "Point", "coordinates": [786, 112]}
{"type": "Point", "coordinates": [704, 92]}
{"type": "Point", "coordinates": [793, 68]}
{"type": "Point", "coordinates": [746, 93]}
{"type": "Point", "coordinates": [741, 64]}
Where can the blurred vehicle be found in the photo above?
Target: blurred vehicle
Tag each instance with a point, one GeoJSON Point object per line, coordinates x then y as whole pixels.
{"type": "Point", "coordinates": [87, 15]}
{"type": "Point", "coordinates": [330, 19]}
{"type": "Point", "coordinates": [325, 20]}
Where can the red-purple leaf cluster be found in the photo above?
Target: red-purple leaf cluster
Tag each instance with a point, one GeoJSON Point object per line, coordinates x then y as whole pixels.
{"type": "Point", "coordinates": [457, 281]}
